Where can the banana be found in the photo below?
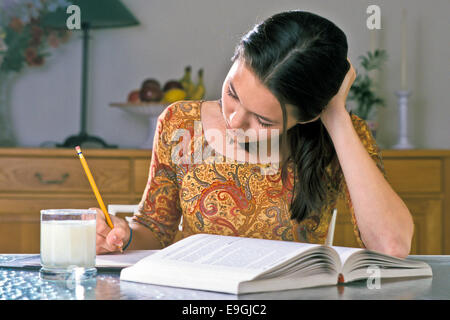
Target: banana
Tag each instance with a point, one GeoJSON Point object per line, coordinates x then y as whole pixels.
{"type": "Point", "coordinates": [187, 83]}
{"type": "Point", "coordinates": [199, 91]}
{"type": "Point", "coordinates": [174, 95]}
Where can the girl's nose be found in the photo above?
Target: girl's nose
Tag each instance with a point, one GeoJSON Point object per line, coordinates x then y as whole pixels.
{"type": "Point", "coordinates": [238, 119]}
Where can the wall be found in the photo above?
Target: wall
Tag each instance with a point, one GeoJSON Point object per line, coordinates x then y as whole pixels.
{"type": "Point", "coordinates": [203, 34]}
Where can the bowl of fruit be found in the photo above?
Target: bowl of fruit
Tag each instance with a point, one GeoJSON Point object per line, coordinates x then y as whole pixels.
{"type": "Point", "coordinates": [151, 99]}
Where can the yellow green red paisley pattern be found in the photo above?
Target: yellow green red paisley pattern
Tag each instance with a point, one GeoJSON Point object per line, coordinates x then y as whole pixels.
{"type": "Point", "coordinates": [227, 198]}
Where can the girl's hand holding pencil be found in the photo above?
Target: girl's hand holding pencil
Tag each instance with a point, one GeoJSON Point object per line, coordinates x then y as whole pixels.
{"type": "Point", "coordinates": [110, 240]}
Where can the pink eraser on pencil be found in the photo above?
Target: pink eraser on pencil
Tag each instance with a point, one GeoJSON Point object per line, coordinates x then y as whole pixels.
{"type": "Point", "coordinates": [78, 149]}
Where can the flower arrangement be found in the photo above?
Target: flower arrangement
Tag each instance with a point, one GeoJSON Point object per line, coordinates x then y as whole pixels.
{"type": "Point", "coordinates": [23, 40]}
{"type": "Point", "coordinates": [362, 90]}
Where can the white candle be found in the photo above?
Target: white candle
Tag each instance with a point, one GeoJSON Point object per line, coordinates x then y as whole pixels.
{"type": "Point", "coordinates": [373, 47]}
{"type": "Point", "coordinates": [403, 61]}
{"type": "Point", "coordinates": [373, 40]}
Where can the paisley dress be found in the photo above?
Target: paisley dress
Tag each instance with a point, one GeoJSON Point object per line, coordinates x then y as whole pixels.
{"type": "Point", "coordinates": [225, 197]}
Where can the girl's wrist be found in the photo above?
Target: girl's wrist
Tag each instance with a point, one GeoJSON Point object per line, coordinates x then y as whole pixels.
{"type": "Point", "coordinates": [129, 239]}
{"type": "Point", "coordinates": [335, 118]}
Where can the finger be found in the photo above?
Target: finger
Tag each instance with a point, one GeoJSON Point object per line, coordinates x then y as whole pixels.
{"type": "Point", "coordinates": [104, 250]}
{"type": "Point", "coordinates": [102, 227]}
{"type": "Point", "coordinates": [99, 239]}
{"type": "Point", "coordinates": [108, 245]}
{"type": "Point", "coordinates": [115, 237]}
{"type": "Point", "coordinates": [101, 250]}
{"type": "Point", "coordinates": [101, 246]}
{"type": "Point", "coordinates": [351, 65]}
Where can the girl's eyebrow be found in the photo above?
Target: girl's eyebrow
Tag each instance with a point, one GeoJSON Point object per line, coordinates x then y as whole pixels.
{"type": "Point", "coordinates": [259, 116]}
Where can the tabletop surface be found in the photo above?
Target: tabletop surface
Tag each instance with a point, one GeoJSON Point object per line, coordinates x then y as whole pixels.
{"type": "Point", "coordinates": [25, 283]}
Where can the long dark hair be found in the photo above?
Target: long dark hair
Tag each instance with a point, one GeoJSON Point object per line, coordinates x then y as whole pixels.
{"type": "Point", "coordinates": [302, 59]}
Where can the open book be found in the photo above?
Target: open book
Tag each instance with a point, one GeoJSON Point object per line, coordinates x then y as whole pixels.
{"type": "Point", "coordinates": [241, 265]}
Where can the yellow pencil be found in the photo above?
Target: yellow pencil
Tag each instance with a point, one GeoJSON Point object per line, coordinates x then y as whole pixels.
{"type": "Point", "coordinates": [94, 187]}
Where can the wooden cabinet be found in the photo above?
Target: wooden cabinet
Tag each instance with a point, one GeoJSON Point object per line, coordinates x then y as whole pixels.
{"type": "Point", "coordinates": [34, 179]}
{"type": "Point", "coordinates": [422, 179]}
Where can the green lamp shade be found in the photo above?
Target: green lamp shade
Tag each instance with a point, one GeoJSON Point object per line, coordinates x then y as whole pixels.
{"type": "Point", "coordinates": [95, 14]}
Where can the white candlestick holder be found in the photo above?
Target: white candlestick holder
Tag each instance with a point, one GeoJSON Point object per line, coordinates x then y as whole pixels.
{"type": "Point", "coordinates": [403, 140]}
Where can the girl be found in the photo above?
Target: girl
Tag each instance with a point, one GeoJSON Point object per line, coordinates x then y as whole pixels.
{"type": "Point", "coordinates": [287, 86]}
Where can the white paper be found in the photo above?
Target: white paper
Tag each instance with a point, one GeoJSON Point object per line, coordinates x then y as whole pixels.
{"type": "Point", "coordinates": [120, 260]}
{"type": "Point", "coordinates": [113, 260]}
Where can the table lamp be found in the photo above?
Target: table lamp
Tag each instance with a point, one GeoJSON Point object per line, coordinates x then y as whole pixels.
{"type": "Point", "coordinates": [94, 15]}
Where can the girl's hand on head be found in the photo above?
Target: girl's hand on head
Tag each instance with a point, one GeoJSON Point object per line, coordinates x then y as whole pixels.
{"type": "Point", "coordinates": [337, 103]}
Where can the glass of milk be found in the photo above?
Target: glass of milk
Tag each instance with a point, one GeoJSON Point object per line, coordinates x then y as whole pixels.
{"type": "Point", "coordinates": [68, 244]}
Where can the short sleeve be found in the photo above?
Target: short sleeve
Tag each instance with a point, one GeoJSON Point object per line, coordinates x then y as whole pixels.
{"type": "Point", "coordinates": [367, 139]}
{"type": "Point", "coordinates": [159, 209]}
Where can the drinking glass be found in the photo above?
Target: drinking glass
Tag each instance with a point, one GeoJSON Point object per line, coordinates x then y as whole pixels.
{"type": "Point", "coordinates": [68, 244]}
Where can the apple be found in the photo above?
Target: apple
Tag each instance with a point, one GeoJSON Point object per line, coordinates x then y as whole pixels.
{"type": "Point", "coordinates": [133, 96]}
{"type": "Point", "coordinates": [172, 84]}
{"type": "Point", "coordinates": [150, 93]}
{"type": "Point", "coordinates": [152, 83]}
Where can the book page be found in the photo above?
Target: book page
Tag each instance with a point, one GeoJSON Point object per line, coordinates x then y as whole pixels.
{"type": "Point", "coordinates": [229, 251]}
{"type": "Point", "coordinates": [213, 262]}
{"type": "Point", "coordinates": [345, 252]}
{"type": "Point", "coordinates": [356, 264]}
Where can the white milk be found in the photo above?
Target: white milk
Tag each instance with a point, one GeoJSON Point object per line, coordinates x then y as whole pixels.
{"type": "Point", "coordinates": [66, 243]}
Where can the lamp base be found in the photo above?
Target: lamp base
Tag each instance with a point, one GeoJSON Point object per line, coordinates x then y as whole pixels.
{"type": "Point", "coordinates": [85, 141]}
